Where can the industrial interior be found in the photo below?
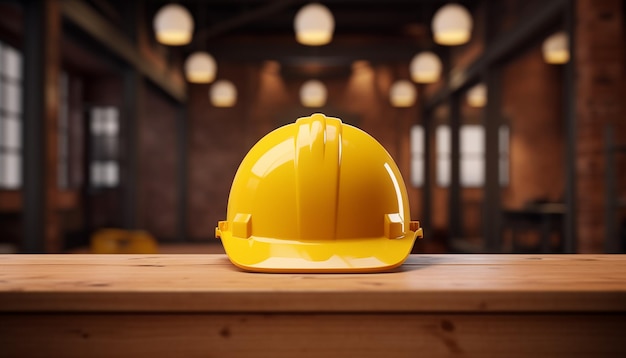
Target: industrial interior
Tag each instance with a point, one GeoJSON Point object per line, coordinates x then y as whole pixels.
{"type": "Point", "coordinates": [505, 118]}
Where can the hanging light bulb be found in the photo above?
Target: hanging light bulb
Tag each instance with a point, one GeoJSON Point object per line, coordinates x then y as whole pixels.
{"type": "Point", "coordinates": [556, 48]}
{"type": "Point", "coordinates": [402, 94]}
{"type": "Point", "coordinates": [173, 25]}
{"type": "Point", "coordinates": [477, 95]}
{"type": "Point", "coordinates": [314, 25]}
{"type": "Point", "coordinates": [313, 94]}
{"type": "Point", "coordinates": [223, 93]}
{"type": "Point", "coordinates": [200, 67]}
{"type": "Point", "coordinates": [452, 25]}
{"type": "Point", "coordinates": [425, 67]}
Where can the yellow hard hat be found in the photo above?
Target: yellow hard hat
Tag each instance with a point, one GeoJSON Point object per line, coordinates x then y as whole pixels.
{"type": "Point", "coordinates": [118, 241]}
{"type": "Point", "coordinates": [318, 195]}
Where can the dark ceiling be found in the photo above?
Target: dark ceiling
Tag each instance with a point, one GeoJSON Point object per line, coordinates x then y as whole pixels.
{"type": "Point", "coordinates": [255, 30]}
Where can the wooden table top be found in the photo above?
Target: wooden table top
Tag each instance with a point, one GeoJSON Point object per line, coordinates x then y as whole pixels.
{"type": "Point", "coordinates": [210, 283]}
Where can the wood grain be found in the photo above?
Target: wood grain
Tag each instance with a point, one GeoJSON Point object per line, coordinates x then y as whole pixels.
{"type": "Point", "coordinates": [312, 335]}
{"type": "Point", "coordinates": [209, 283]}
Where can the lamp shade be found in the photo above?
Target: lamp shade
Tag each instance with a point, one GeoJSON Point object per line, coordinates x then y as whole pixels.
{"type": "Point", "coordinates": [452, 25]}
{"type": "Point", "coordinates": [425, 67]}
{"type": "Point", "coordinates": [313, 94]}
{"type": "Point", "coordinates": [314, 25]}
{"type": "Point", "coordinates": [477, 95]}
{"type": "Point", "coordinates": [173, 25]}
{"type": "Point", "coordinates": [556, 48]}
{"type": "Point", "coordinates": [200, 67]}
{"type": "Point", "coordinates": [402, 94]}
{"type": "Point", "coordinates": [223, 93]}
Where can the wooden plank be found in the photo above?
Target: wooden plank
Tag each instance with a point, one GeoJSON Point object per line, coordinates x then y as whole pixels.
{"type": "Point", "coordinates": [312, 335]}
{"type": "Point", "coordinates": [209, 283]}
{"type": "Point", "coordinates": [98, 27]}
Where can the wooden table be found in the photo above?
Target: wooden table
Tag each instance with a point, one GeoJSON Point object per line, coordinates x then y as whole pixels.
{"type": "Point", "coordinates": [202, 306]}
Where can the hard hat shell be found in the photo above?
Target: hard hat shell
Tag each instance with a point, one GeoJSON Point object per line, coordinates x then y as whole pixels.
{"type": "Point", "coordinates": [318, 195]}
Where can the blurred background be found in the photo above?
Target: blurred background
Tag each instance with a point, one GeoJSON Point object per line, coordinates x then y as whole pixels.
{"type": "Point", "coordinates": [122, 123]}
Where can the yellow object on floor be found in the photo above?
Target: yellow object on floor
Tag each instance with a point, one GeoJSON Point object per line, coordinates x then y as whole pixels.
{"type": "Point", "coordinates": [118, 241]}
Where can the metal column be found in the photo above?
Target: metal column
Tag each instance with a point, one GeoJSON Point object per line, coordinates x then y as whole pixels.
{"type": "Point", "coordinates": [42, 31]}
{"type": "Point", "coordinates": [454, 208]}
{"type": "Point", "coordinates": [183, 167]}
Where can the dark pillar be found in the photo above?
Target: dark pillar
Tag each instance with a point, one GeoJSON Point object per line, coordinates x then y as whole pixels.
{"type": "Point", "coordinates": [42, 31]}
{"type": "Point", "coordinates": [454, 217]}
{"type": "Point", "coordinates": [182, 177]}
{"type": "Point", "coordinates": [570, 242]}
{"type": "Point", "coordinates": [598, 56]}
{"type": "Point", "coordinates": [426, 219]}
{"type": "Point", "coordinates": [132, 94]}
{"type": "Point", "coordinates": [491, 203]}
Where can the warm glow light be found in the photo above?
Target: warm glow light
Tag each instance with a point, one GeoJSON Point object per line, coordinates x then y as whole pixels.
{"type": "Point", "coordinates": [556, 48]}
{"type": "Point", "coordinates": [223, 93]}
{"type": "Point", "coordinates": [452, 25]}
{"type": "Point", "coordinates": [477, 95]}
{"type": "Point", "coordinates": [425, 67]}
{"type": "Point", "coordinates": [314, 25]}
{"type": "Point", "coordinates": [200, 67]}
{"type": "Point", "coordinates": [402, 94]}
{"type": "Point", "coordinates": [173, 25]}
{"type": "Point", "coordinates": [313, 94]}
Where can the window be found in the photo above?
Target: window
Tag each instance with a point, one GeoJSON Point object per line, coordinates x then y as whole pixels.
{"type": "Point", "coordinates": [472, 159]}
{"type": "Point", "coordinates": [104, 128]}
{"type": "Point", "coordinates": [417, 156]}
{"type": "Point", "coordinates": [10, 117]}
{"type": "Point", "coordinates": [443, 155]}
{"type": "Point", "coordinates": [503, 141]}
{"type": "Point", "coordinates": [472, 155]}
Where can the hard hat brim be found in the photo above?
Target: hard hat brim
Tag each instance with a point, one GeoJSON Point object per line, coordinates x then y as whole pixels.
{"type": "Point", "coordinates": [261, 254]}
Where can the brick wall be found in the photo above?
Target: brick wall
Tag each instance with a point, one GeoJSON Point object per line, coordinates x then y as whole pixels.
{"type": "Point", "coordinates": [157, 165]}
{"type": "Point", "coordinates": [599, 59]}
{"type": "Point", "coordinates": [532, 104]}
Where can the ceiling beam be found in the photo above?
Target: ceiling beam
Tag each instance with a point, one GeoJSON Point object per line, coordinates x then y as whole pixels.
{"type": "Point", "coordinates": [240, 20]}
{"type": "Point", "coordinates": [334, 54]}
{"type": "Point", "coordinates": [503, 48]}
{"type": "Point", "coordinates": [98, 27]}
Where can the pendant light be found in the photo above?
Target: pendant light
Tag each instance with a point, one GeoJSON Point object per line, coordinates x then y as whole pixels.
{"type": "Point", "coordinates": [223, 93]}
{"type": "Point", "coordinates": [200, 67]}
{"type": "Point", "coordinates": [477, 96]}
{"type": "Point", "coordinates": [425, 67]}
{"type": "Point", "coordinates": [313, 94]}
{"type": "Point", "coordinates": [452, 25]}
{"type": "Point", "coordinates": [402, 94]}
{"type": "Point", "coordinates": [173, 25]}
{"type": "Point", "coordinates": [314, 25]}
{"type": "Point", "coordinates": [556, 48]}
